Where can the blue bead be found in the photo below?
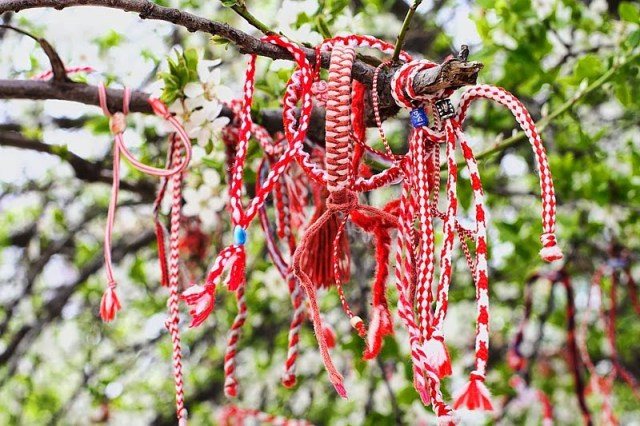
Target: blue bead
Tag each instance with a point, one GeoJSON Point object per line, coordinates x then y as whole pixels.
{"type": "Point", "coordinates": [239, 235]}
{"type": "Point", "coordinates": [419, 117]}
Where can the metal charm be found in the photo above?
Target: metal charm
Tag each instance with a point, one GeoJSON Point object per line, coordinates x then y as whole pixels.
{"type": "Point", "coordinates": [445, 109]}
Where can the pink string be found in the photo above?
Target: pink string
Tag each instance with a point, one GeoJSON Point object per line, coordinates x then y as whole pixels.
{"type": "Point", "coordinates": [117, 123]}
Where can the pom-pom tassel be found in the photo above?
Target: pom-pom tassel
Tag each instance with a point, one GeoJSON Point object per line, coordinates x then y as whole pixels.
{"type": "Point", "coordinates": [201, 301]}
{"type": "Point", "coordinates": [110, 304]}
{"type": "Point", "coordinates": [550, 250]}
{"type": "Point", "coordinates": [437, 355]}
{"type": "Point", "coordinates": [474, 395]}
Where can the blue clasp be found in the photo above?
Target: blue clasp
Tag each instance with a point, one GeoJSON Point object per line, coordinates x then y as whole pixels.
{"type": "Point", "coordinates": [239, 235]}
{"type": "Point", "coordinates": [418, 117]}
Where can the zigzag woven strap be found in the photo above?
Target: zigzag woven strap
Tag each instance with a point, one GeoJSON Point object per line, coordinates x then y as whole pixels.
{"type": "Point", "coordinates": [338, 119]}
{"type": "Point", "coordinates": [312, 170]}
{"type": "Point", "coordinates": [424, 148]}
{"type": "Point", "coordinates": [550, 250]}
{"type": "Point", "coordinates": [110, 303]}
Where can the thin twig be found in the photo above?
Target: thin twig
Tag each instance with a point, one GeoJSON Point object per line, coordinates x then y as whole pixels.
{"type": "Point", "coordinates": [403, 30]}
{"type": "Point", "coordinates": [543, 123]}
{"type": "Point", "coordinates": [57, 66]}
{"type": "Point", "coordinates": [241, 9]}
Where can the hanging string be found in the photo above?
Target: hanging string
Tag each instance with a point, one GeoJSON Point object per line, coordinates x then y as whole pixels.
{"type": "Point", "coordinates": [232, 415]}
{"type": "Point", "coordinates": [201, 298]}
{"type": "Point", "coordinates": [178, 159]}
{"type": "Point", "coordinates": [110, 303]}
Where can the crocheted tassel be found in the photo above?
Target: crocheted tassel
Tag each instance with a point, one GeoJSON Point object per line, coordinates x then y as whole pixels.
{"type": "Point", "coordinates": [162, 254]}
{"type": "Point", "coordinates": [474, 395]}
{"type": "Point", "coordinates": [110, 304]}
{"type": "Point", "coordinates": [550, 250]}
{"type": "Point", "coordinates": [437, 355]}
{"type": "Point", "coordinates": [201, 302]}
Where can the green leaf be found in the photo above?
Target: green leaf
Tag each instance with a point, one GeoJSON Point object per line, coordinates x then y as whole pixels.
{"type": "Point", "coordinates": [629, 12]}
{"type": "Point", "coordinates": [589, 66]}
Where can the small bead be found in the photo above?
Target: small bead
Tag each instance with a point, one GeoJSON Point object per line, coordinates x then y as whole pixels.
{"type": "Point", "coordinates": [418, 117]}
{"type": "Point", "coordinates": [355, 321]}
{"type": "Point", "coordinates": [239, 235]}
{"type": "Point", "coordinates": [117, 123]}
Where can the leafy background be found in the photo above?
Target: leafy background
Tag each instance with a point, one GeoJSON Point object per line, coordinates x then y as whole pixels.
{"type": "Point", "coordinates": [60, 365]}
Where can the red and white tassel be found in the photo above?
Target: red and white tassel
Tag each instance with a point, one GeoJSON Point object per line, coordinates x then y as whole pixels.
{"type": "Point", "coordinates": [110, 304]}
{"type": "Point", "coordinates": [201, 301]}
{"type": "Point", "coordinates": [474, 395]}
{"type": "Point", "coordinates": [437, 355]}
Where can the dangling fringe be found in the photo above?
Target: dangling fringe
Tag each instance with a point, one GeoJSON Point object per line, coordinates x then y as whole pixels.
{"type": "Point", "coordinates": [379, 327]}
{"type": "Point", "coordinates": [474, 395]}
{"type": "Point", "coordinates": [303, 251]}
{"type": "Point", "coordinates": [110, 304]}
{"type": "Point", "coordinates": [317, 262]}
{"type": "Point", "coordinates": [237, 274]}
{"type": "Point", "coordinates": [201, 301]}
{"type": "Point", "coordinates": [437, 355]}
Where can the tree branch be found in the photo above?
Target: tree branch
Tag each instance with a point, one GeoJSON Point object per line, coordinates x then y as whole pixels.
{"type": "Point", "coordinates": [57, 66]}
{"type": "Point", "coordinates": [246, 44]}
{"type": "Point", "coordinates": [403, 30]}
{"type": "Point", "coordinates": [54, 307]}
{"type": "Point", "coordinates": [85, 170]}
{"type": "Point", "coordinates": [241, 9]}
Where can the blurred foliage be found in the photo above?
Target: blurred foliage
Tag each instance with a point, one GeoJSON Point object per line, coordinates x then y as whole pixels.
{"type": "Point", "coordinates": [68, 365]}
